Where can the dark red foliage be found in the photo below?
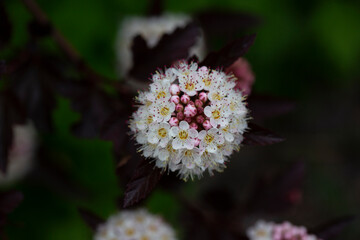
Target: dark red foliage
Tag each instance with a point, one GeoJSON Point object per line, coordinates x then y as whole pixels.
{"type": "Point", "coordinates": [278, 193]}
{"type": "Point", "coordinates": [229, 54]}
{"type": "Point", "coordinates": [333, 228]}
{"type": "Point", "coordinates": [32, 78]}
{"type": "Point", "coordinates": [171, 47]}
{"type": "Point", "coordinates": [143, 181]}
{"type": "Point", "coordinates": [219, 23]}
{"type": "Point", "coordinates": [257, 135]}
{"type": "Point", "coordinates": [91, 219]}
{"type": "Point", "coordinates": [263, 107]}
{"type": "Point", "coordinates": [8, 202]}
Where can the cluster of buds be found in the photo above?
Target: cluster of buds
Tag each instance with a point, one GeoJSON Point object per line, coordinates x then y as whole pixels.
{"type": "Point", "coordinates": [191, 119]}
{"type": "Point", "coordinates": [135, 225]}
{"type": "Point", "coordinates": [284, 231]}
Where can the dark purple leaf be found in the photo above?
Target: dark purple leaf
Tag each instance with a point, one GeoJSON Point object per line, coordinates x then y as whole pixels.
{"type": "Point", "coordinates": [9, 201]}
{"type": "Point", "coordinates": [332, 229]}
{"type": "Point", "coordinates": [32, 80]}
{"type": "Point", "coordinates": [215, 22]}
{"type": "Point", "coordinates": [143, 181]}
{"type": "Point", "coordinates": [171, 47]}
{"type": "Point", "coordinates": [5, 26]}
{"type": "Point", "coordinates": [229, 54]}
{"type": "Point", "coordinates": [257, 135]}
{"type": "Point", "coordinates": [263, 107]}
{"type": "Point", "coordinates": [91, 219]}
{"type": "Point", "coordinates": [94, 105]}
{"type": "Point", "coordinates": [279, 193]}
{"type": "Point", "coordinates": [11, 113]}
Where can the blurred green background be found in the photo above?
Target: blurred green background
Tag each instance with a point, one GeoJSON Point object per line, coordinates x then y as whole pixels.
{"type": "Point", "coordinates": [307, 50]}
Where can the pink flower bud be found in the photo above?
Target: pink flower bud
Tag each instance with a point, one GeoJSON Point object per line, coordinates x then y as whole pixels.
{"type": "Point", "coordinates": [191, 103]}
{"type": "Point", "coordinates": [190, 110]}
{"type": "Point", "coordinates": [175, 99]}
{"type": "Point", "coordinates": [194, 125]}
{"type": "Point", "coordinates": [188, 119]}
{"type": "Point", "coordinates": [244, 74]}
{"type": "Point", "coordinates": [179, 108]}
{"type": "Point", "coordinates": [207, 125]}
{"type": "Point", "coordinates": [196, 142]}
{"type": "Point", "coordinates": [185, 99]}
{"type": "Point", "coordinates": [174, 89]}
{"type": "Point", "coordinates": [200, 119]}
{"type": "Point", "coordinates": [180, 116]}
{"type": "Point", "coordinates": [198, 103]}
{"type": "Point", "coordinates": [174, 121]}
{"type": "Point", "coordinates": [203, 97]}
{"type": "Point", "coordinates": [200, 110]}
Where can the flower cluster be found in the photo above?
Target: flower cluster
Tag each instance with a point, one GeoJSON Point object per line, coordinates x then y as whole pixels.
{"type": "Point", "coordinates": [190, 120]}
{"type": "Point", "coordinates": [135, 225]}
{"type": "Point", "coordinates": [21, 154]}
{"type": "Point", "coordinates": [151, 29]}
{"type": "Point", "coordinates": [284, 231]}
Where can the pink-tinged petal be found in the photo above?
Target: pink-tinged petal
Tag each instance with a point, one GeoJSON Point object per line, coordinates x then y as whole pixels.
{"type": "Point", "coordinates": [177, 144]}
{"type": "Point", "coordinates": [174, 131]}
{"type": "Point", "coordinates": [193, 133]}
{"type": "Point", "coordinates": [189, 143]}
{"type": "Point", "coordinates": [184, 125]}
{"type": "Point", "coordinates": [208, 111]}
{"type": "Point", "coordinates": [211, 148]}
{"type": "Point", "coordinates": [213, 122]}
{"type": "Point", "coordinates": [202, 134]}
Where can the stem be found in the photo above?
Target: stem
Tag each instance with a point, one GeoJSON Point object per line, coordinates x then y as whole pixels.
{"type": "Point", "coordinates": [62, 42]}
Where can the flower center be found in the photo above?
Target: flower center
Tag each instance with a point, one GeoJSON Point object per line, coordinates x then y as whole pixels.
{"type": "Point", "coordinates": [129, 231]}
{"type": "Point", "coordinates": [189, 86]}
{"type": "Point", "coordinates": [216, 114]}
{"type": "Point", "coordinates": [232, 106]}
{"type": "Point", "coordinates": [188, 153]}
{"type": "Point", "coordinates": [207, 82]}
{"type": "Point", "coordinates": [164, 111]}
{"type": "Point", "coordinates": [162, 132]}
{"type": "Point", "coordinates": [209, 138]}
{"type": "Point", "coordinates": [183, 135]}
{"type": "Point", "coordinates": [149, 119]}
{"type": "Point", "coordinates": [216, 96]}
{"type": "Point", "coordinates": [161, 94]}
{"type": "Point", "coordinates": [261, 233]}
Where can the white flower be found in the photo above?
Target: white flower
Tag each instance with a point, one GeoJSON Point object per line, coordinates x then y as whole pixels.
{"type": "Point", "coordinates": [135, 225]}
{"type": "Point", "coordinates": [21, 153]}
{"type": "Point", "coordinates": [159, 133]}
{"type": "Point", "coordinates": [261, 231]}
{"type": "Point", "coordinates": [208, 121]}
{"type": "Point", "coordinates": [218, 115]}
{"type": "Point", "coordinates": [210, 139]}
{"type": "Point", "coordinates": [183, 136]}
{"type": "Point", "coordinates": [190, 157]}
{"type": "Point", "coordinates": [273, 231]}
{"type": "Point", "coordinates": [162, 110]}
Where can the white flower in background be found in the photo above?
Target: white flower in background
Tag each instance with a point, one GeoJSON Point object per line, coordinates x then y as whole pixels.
{"type": "Point", "coordinates": [151, 29]}
{"type": "Point", "coordinates": [21, 154]}
{"type": "Point", "coordinates": [260, 231]}
{"type": "Point", "coordinates": [183, 129]}
{"type": "Point", "coordinates": [272, 231]}
{"type": "Point", "coordinates": [135, 225]}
